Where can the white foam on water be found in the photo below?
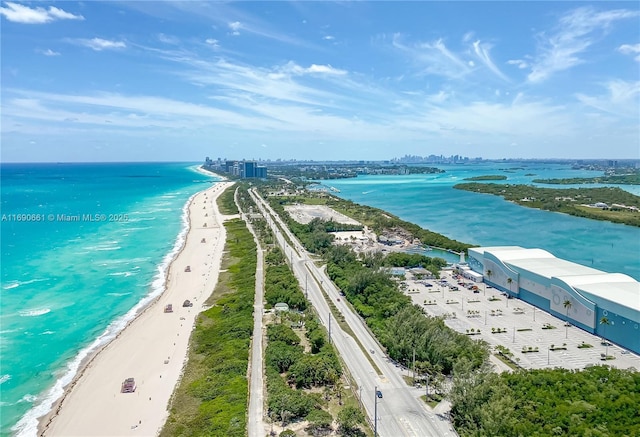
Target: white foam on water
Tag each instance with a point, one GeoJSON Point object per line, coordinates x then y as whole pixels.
{"type": "Point", "coordinates": [28, 424]}
{"type": "Point", "coordinates": [34, 312]}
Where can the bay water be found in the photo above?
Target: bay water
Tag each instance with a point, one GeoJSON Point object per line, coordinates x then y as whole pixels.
{"type": "Point", "coordinates": [84, 247]}
{"type": "Point", "coordinates": [105, 234]}
{"type": "Point", "coordinates": [430, 201]}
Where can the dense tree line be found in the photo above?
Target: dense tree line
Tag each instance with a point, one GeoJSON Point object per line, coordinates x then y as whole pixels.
{"type": "Point", "coordinates": [399, 325]}
{"type": "Point", "coordinates": [567, 200]}
{"type": "Point", "coordinates": [597, 401]}
{"type": "Point", "coordinates": [627, 179]}
{"type": "Point", "coordinates": [377, 219]}
{"type": "Point", "coordinates": [410, 260]}
{"type": "Point", "coordinates": [280, 285]}
{"type": "Point", "coordinates": [213, 394]}
{"type": "Point", "coordinates": [487, 178]}
{"type": "Point", "coordinates": [289, 369]}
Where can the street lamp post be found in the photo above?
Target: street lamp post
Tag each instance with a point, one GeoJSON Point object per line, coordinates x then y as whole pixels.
{"type": "Point", "coordinates": [427, 386]}
{"type": "Point", "coordinates": [375, 411]}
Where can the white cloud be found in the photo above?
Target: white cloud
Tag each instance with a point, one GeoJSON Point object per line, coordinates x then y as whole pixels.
{"type": "Point", "coordinates": [329, 37]}
{"type": "Point", "coordinates": [630, 49]}
{"type": "Point", "coordinates": [49, 52]}
{"type": "Point", "coordinates": [324, 69]}
{"type": "Point", "coordinates": [99, 44]}
{"type": "Point", "coordinates": [235, 27]}
{"type": "Point", "coordinates": [19, 13]}
{"type": "Point", "coordinates": [574, 34]}
{"type": "Point", "coordinates": [213, 42]}
{"type": "Point", "coordinates": [519, 63]}
{"type": "Point", "coordinates": [482, 52]}
{"type": "Point", "coordinates": [622, 99]}
{"type": "Point", "coordinates": [434, 57]}
{"type": "Point", "coordinates": [168, 39]}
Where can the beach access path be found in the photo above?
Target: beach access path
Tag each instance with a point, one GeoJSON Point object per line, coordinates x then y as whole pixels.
{"type": "Point", "coordinates": [153, 348]}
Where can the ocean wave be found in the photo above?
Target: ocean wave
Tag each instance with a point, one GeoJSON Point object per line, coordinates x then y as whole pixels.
{"type": "Point", "coordinates": [110, 262]}
{"type": "Point", "coordinates": [47, 332]}
{"type": "Point", "coordinates": [125, 274]}
{"type": "Point", "coordinates": [34, 312]}
{"type": "Point", "coordinates": [102, 249]}
{"type": "Point", "coordinates": [4, 378]}
{"type": "Point", "coordinates": [118, 294]}
{"type": "Point", "coordinates": [28, 424]}
{"type": "Point", "coordinates": [28, 398]}
{"type": "Point", "coordinates": [141, 219]}
{"type": "Point", "coordinates": [15, 284]}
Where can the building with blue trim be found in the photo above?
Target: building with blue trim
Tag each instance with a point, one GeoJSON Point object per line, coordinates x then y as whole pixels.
{"type": "Point", "coordinates": [604, 304]}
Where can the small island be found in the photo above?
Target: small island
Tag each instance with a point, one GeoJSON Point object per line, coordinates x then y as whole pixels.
{"type": "Point", "coordinates": [608, 203]}
{"type": "Point", "coordinates": [628, 179]}
{"type": "Point", "coordinates": [487, 178]}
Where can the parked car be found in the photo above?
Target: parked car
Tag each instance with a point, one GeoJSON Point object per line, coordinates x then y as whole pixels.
{"type": "Point", "coordinates": [379, 394]}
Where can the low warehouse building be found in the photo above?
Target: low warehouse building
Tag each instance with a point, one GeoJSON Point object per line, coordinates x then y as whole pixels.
{"type": "Point", "coordinates": [604, 304]}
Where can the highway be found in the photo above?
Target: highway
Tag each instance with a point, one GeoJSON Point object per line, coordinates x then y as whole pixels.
{"type": "Point", "coordinates": [400, 412]}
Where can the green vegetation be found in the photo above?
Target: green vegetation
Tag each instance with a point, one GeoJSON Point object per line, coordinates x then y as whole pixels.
{"type": "Point", "coordinates": [573, 201]}
{"type": "Point", "coordinates": [280, 284]}
{"type": "Point", "coordinates": [399, 325]}
{"type": "Point", "coordinates": [597, 401]}
{"type": "Point", "coordinates": [212, 396]}
{"type": "Point", "coordinates": [627, 179]}
{"type": "Point", "coordinates": [410, 260]}
{"type": "Point", "coordinates": [226, 204]}
{"type": "Point", "coordinates": [376, 219]}
{"type": "Point", "coordinates": [487, 178]}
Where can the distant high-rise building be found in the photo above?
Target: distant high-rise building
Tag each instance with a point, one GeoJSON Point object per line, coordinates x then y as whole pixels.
{"type": "Point", "coordinates": [249, 169]}
{"type": "Point", "coordinates": [261, 172]}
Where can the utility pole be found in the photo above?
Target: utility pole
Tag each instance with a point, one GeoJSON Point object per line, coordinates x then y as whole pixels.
{"type": "Point", "coordinates": [427, 386]}
{"type": "Point", "coordinates": [375, 411]}
{"type": "Point", "coordinates": [414, 364]}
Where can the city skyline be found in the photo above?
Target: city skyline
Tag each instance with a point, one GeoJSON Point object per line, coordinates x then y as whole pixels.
{"type": "Point", "coordinates": [140, 81]}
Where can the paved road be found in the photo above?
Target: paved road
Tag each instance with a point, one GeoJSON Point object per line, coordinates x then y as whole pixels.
{"type": "Point", "coordinates": [256, 425]}
{"type": "Point", "coordinates": [400, 412]}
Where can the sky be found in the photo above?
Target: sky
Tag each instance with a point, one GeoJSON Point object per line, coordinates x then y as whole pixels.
{"type": "Point", "coordinates": [108, 81]}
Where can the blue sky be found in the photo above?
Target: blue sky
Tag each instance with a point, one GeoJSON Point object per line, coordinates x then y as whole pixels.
{"type": "Point", "coordinates": [146, 80]}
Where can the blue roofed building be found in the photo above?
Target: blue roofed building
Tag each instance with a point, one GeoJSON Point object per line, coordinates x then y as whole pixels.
{"type": "Point", "coordinates": [604, 304]}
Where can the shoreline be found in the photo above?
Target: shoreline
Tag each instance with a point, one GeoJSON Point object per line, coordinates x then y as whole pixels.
{"type": "Point", "coordinates": [91, 404]}
{"type": "Point", "coordinates": [30, 422]}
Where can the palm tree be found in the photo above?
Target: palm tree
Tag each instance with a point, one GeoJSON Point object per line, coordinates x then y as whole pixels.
{"type": "Point", "coordinates": [509, 281]}
{"type": "Point", "coordinates": [605, 322]}
{"type": "Point", "coordinates": [567, 305]}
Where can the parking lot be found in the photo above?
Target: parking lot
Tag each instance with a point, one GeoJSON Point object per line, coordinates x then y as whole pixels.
{"type": "Point", "coordinates": [487, 314]}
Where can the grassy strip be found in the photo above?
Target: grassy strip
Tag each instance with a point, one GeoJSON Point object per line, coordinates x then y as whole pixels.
{"type": "Point", "coordinates": [213, 393]}
{"type": "Point", "coordinates": [226, 203]}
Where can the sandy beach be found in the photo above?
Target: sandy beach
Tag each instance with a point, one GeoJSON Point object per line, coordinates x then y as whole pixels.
{"type": "Point", "coordinates": [152, 349]}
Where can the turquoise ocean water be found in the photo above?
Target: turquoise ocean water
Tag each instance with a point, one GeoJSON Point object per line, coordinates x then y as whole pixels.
{"type": "Point", "coordinates": [486, 220]}
{"type": "Point", "coordinates": [69, 284]}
